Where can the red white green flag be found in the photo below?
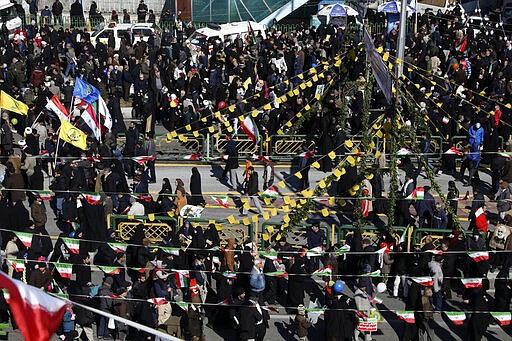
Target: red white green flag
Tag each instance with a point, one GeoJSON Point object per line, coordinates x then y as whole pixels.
{"type": "Point", "coordinates": [435, 252]}
{"type": "Point", "coordinates": [457, 317]}
{"type": "Point", "coordinates": [278, 274]}
{"type": "Point", "coordinates": [375, 273]}
{"type": "Point", "coordinates": [25, 238]}
{"type": "Point", "coordinates": [316, 251]}
{"type": "Point", "coordinates": [157, 300]}
{"type": "Point", "coordinates": [44, 195]}
{"type": "Point", "coordinates": [36, 313]}
{"type": "Point", "coordinates": [17, 264]}
{"type": "Point", "coordinates": [192, 157]}
{"type": "Point", "coordinates": [271, 192]}
{"type": "Point", "coordinates": [143, 159]}
{"type": "Point", "coordinates": [72, 244]}
{"type": "Point", "coordinates": [139, 270]}
{"type": "Point", "coordinates": [229, 274]}
{"type": "Point", "coordinates": [92, 198]}
{"type": "Point", "coordinates": [183, 305]}
{"type": "Point", "coordinates": [323, 271]}
{"type": "Point", "coordinates": [425, 281]}
{"type": "Point", "coordinates": [269, 255]}
{"type": "Point", "coordinates": [418, 193]}
{"type": "Point", "coordinates": [479, 256]}
{"type": "Point", "coordinates": [110, 270]}
{"type": "Point", "coordinates": [222, 200]}
{"type": "Point", "coordinates": [503, 318]}
{"type": "Point", "coordinates": [471, 282]}
{"type": "Point", "coordinates": [270, 308]}
{"type": "Point", "coordinates": [118, 247]}
{"type": "Point", "coordinates": [182, 278]}
{"type": "Point", "coordinates": [407, 316]}
{"type": "Point", "coordinates": [65, 270]}
{"type": "Point", "coordinates": [175, 251]}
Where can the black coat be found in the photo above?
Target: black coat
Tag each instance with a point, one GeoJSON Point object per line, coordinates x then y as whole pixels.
{"type": "Point", "coordinates": [196, 194]}
{"type": "Point", "coordinates": [296, 283]}
{"type": "Point", "coordinates": [341, 322]}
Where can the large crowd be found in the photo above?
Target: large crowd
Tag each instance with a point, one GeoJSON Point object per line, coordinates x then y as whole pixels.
{"type": "Point", "coordinates": [191, 274]}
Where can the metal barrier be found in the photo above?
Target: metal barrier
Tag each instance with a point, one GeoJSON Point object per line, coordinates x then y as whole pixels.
{"type": "Point", "coordinates": [369, 231]}
{"type": "Point", "coordinates": [244, 145]}
{"type": "Point", "coordinates": [461, 141]}
{"type": "Point", "coordinates": [418, 236]}
{"type": "Point", "coordinates": [155, 227]}
{"type": "Point", "coordinates": [296, 238]}
{"type": "Point", "coordinates": [240, 232]}
{"type": "Point", "coordinates": [283, 146]}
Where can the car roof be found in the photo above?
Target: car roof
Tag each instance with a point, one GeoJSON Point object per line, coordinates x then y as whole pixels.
{"type": "Point", "coordinates": [228, 28]}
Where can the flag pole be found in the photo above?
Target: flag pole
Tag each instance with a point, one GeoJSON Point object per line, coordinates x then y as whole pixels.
{"type": "Point", "coordinates": [56, 148]}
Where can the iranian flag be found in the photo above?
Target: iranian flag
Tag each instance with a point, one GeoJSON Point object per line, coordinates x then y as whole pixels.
{"type": "Point", "coordinates": [229, 274]}
{"type": "Point", "coordinates": [471, 282]}
{"type": "Point", "coordinates": [92, 198]}
{"type": "Point", "coordinates": [454, 151]}
{"type": "Point", "coordinates": [269, 255]}
{"type": "Point", "coordinates": [435, 252]}
{"type": "Point", "coordinates": [17, 264]}
{"type": "Point", "coordinates": [375, 299]}
{"type": "Point", "coordinates": [72, 244]}
{"type": "Point", "coordinates": [216, 260]}
{"type": "Point", "coordinates": [316, 251]}
{"type": "Point", "coordinates": [143, 159]}
{"type": "Point", "coordinates": [139, 270]}
{"type": "Point", "coordinates": [407, 316]}
{"type": "Point", "coordinates": [481, 219]}
{"type": "Point", "coordinates": [323, 271]}
{"type": "Point", "coordinates": [37, 314]}
{"type": "Point", "coordinates": [279, 274]}
{"type": "Point", "coordinates": [375, 273]}
{"type": "Point", "coordinates": [118, 247]}
{"type": "Point", "coordinates": [457, 317]}
{"type": "Point", "coordinates": [446, 120]}
{"type": "Point", "coordinates": [44, 195]}
{"type": "Point", "coordinates": [345, 248]}
{"type": "Point", "coordinates": [271, 192]}
{"type": "Point", "coordinates": [418, 193]}
{"type": "Point", "coordinates": [25, 238]}
{"type": "Point", "coordinates": [403, 237]}
{"type": "Point", "coordinates": [193, 157]}
{"type": "Point", "coordinates": [425, 281]}
{"type": "Point", "coordinates": [175, 251]}
{"type": "Point", "coordinates": [249, 127]}
{"type": "Point", "coordinates": [44, 153]}
{"type": "Point", "coordinates": [479, 256]}
{"type": "Point", "coordinates": [225, 302]}
{"type": "Point", "coordinates": [157, 300]}
{"type": "Point", "coordinates": [182, 278]}
{"type": "Point", "coordinates": [65, 270]}
{"type": "Point", "coordinates": [74, 225]}
{"type": "Point", "coordinates": [183, 305]}
{"type": "Point", "coordinates": [110, 270]}
{"type": "Point", "coordinates": [56, 107]}
{"type": "Point", "coordinates": [222, 200]}
{"type": "Point", "coordinates": [503, 318]}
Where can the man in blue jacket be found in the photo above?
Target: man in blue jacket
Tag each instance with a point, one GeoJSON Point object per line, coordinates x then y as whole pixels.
{"type": "Point", "coordinates": [257, 280]}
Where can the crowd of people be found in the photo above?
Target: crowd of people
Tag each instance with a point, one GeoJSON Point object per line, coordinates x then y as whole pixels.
{"type": "Point", "coordinates": [173, 284]}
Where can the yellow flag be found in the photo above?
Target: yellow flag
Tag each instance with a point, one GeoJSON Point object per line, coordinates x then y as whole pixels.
{"type": "Point", "coordinates": [325, 212]}
{"type": "Point", "coordinates": [247, 82]}
{"type": "Point", "coordinates": [286, 199]}
{"type": "Point", "coordinates": [174, 133]}
{"type": "Point", "coordinates": [151, 217]}
{"type": "Point", "coordinates": [188, 127]}
{"type": "Point", "coordinates": [286, 218]}
{"type": "Point", "coordinates": [73, 135]}
{"type": "Point", "coordinates": [307, 107]}
{"type": "Point", "coordinates": [321, 184]}
{"type": "Point", "coordinates": [332, 155]}
{"type": "Point", "coordinates": [298, 175]}
{"type": "Point", "coordinates": [349, 143]}
{"type": "Point", "coordinates": [267, 107]}
{"type": "Point", "coordinates": [286, 208]}
{"type": "Point", "coordinates": [246, 221]}
{"type": "Point", "coordinates": [273, 211]}
{"type": "Point", "coordinates": [211, 129]}
{"type": "Point", "coordinates": [254, 218]}
{"type": "Point", "coordinates": [270, 228]}
{"type": "Point", "coordinates": [231, 219]}
{"type": "Point", "coordinates": [264, 235]}
{"type": "Point", "coordinates": [281, 184]}
{"type": "Point", "coordinates": [247, 206]}
{"type": "Point", "coordinates": [266, 216]}
{"type": "Point", "coordinates": [9, 103]}
{"type": "Point", "coordinates": [196, 133]}
{"type": "Point", "coordinates": [315, 165]}
{"type": "Point", "coordinates": [267, 201]}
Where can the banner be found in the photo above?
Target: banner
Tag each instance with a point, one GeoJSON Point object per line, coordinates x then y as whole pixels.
{"type": "Point", "coordinates": [380, 71]}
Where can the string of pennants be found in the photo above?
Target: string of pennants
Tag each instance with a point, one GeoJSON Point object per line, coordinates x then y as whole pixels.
{"type": "Point", "coordinates": [306, 83]}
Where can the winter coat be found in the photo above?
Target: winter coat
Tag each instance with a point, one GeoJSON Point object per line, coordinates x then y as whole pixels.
{"type": "Point", "coordinates": [302, 325]}
{"type": "Point", "coordinates": [257, 281]}
{"type": "Point", "coordinates": [15, 181]}
{"type": "Point", "coordinates": [38, 213]}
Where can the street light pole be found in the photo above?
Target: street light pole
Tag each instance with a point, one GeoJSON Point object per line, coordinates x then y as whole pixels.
{"type": "Point", "coordinates": [401, 41]}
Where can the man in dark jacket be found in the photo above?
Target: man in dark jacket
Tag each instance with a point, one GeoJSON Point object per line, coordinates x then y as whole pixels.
{"type": "Point", "coordinates": [252, 321]}
{"type": "Point", "coordinates": [425, 208]}
{"type": "Point", "coordinates": [231, 164]}
{"type": "Point", "coordinates": [104, 292]}
{"type": "Point", "coordinates": [132, 136]}
{"type": "Point", "coordinates": [252, 191]}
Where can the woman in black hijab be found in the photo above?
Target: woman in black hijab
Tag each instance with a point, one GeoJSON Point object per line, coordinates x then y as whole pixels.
{"type": "Point", "coordinates": [195, 189]}
{"type": "Point", "coordinates": [164, 198]}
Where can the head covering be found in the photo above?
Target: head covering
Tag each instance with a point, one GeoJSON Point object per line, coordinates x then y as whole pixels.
{"type": "Point", "coordinates": [301, 310]}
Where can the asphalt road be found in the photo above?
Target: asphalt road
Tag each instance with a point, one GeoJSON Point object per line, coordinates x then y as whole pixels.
{"type": "Point", "coordinates": [390, 328]}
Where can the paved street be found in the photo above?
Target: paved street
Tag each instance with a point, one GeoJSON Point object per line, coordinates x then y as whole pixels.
{"type": "Point", "coordinates": [390, 328]}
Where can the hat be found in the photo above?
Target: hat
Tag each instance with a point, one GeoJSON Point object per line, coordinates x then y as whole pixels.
{"type": "Point", "coordinates": [28, 131]}
{"type": "Point", "coordinates": [22, 143]}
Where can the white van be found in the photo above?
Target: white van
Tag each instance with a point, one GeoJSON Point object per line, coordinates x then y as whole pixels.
{"type": "Point", "coordinates": [136, 32]}
{"type": "Point", "coordinates": [9, 15]}
{"type": "Point", "coordinates": [212, 32]}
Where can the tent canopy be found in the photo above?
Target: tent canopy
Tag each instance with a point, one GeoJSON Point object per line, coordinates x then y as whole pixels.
{"type": "Point", "coordinates": [338, 10]}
